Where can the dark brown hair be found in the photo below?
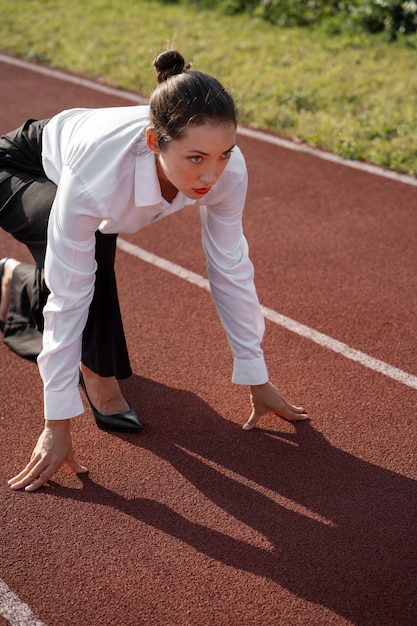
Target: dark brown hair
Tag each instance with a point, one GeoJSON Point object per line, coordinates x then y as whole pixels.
{"type": "Point", "coordinates": [186, 98]}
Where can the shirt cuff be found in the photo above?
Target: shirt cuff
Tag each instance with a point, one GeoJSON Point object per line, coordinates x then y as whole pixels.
{"type": "Point", "coordinates": [250, 371]}
{"type": "Point", "coordinates": [61, 405]}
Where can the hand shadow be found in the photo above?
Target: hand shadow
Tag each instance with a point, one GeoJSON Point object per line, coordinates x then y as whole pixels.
{"type": "Point", "coordinates": [342, 531]}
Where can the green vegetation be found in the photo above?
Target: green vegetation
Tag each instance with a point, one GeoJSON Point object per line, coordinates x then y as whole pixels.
{"type": "Point", "coordinates": [346, 91]}
{"type": "Point", "coordinates": [394, 17]}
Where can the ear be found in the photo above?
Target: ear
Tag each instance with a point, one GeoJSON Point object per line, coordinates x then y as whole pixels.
{"type": "Point", "coordinates": [152, 140]}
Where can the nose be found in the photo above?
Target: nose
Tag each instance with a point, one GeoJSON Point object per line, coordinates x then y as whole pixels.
{"type": "Point", "coordinates": [209, 175]}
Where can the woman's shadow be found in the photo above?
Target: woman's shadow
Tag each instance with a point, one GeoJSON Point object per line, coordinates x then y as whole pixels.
{"type": "Point", "coordinates": [342, 532]}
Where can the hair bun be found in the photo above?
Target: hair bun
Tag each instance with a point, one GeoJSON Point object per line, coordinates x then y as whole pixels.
{"type": "Point", "coordinates": [168, 64]}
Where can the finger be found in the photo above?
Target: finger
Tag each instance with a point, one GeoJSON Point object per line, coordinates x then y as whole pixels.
{"type": "Point", "coordinates": [289, 412]}
{"type": "Point", "coordinates": [40, 480]}
{"type": "Point", "coordinates": [294, 409]}
{"type": "Point", "coordinates": [47, 474]}
{"type": "Point", "coordinates": [258, 410]}
{"type": "Point", "coordinates": [76, 467]}
{"type": "Point", "coordinates": [23, 474]}
{"type": "Point", "coordinates": [40, 475]}
{"type": "Point", "coordinates": [32, 478]}
{"type": "Point", "coordinates": [292, 413]}
{"type": "Point", "coordinates": [289, 416]}
{"type": "Point", "coordinates": [293, 416]}
{"type": "Point", "coordinates": [253, 419]}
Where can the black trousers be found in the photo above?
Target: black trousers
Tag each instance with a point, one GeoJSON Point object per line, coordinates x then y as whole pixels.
{"type": "Point", "coordinates": [26, 197]}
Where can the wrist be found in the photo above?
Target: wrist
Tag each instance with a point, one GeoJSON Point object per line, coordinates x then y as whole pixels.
{"type": "Point", "coordinates": [262, 386]}
{"type": "Point", "coordinates": [58, 425]}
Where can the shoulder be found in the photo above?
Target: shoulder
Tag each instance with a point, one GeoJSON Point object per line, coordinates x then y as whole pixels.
{"type": "Point", "coordinates": [93, 126]}
{"type": "Point", "coordinates": [110, 115]}
{"type": "Point", "coordinates": [77, 136]}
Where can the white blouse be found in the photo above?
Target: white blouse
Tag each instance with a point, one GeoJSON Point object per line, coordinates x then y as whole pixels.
{"type": "Point", "coordinates": [107, 181]}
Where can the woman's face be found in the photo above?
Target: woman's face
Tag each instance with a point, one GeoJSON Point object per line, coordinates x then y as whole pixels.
{"type": "Point", "coordinates": [194, 163]}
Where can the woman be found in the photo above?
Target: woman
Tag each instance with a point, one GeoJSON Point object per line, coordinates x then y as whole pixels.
{"type": "Point", "coordinates": [110, 171]}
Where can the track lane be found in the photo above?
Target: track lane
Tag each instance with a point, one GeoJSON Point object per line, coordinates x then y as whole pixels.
{"type": "Point", "coordinates": [198, 522]}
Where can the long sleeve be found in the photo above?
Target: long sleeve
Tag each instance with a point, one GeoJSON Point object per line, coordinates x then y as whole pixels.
{"type": "Point", "coordinates": [69, 274]}
{"type": "Point", "coordinates": [231, 276]}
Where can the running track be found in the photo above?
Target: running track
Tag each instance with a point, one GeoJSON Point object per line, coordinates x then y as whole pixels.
{"type": "Point", "coordinates": [195, 521]}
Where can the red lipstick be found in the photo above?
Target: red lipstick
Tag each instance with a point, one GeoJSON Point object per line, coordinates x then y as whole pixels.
{"type": "Point", "coordinates": [202, 191]}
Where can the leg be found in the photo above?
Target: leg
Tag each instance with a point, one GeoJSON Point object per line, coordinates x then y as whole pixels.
{"type": "Point", "coordinates": [25, 205]}
{"type": "Point", "coordinates": [104, 344]}
{"type": "Point", "coordinates": [7, 267]}
{"type": "Point", "coordinates": [20, 332]}
{"type": "Point", "coordinates": [104, 349]}
{"type": "Point", "coordinates": [26, 197]}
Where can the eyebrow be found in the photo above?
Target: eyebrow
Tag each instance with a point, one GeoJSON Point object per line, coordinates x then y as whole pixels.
{"type": "Point", "coordinates": [207, 154]}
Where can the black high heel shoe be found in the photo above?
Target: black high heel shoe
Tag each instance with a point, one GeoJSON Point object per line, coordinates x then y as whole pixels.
{"type": "Point", "coordinates": [127, 421]}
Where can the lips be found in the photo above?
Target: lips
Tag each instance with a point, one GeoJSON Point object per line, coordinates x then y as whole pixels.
{"type": "Point", "coordinates": [202, 191]}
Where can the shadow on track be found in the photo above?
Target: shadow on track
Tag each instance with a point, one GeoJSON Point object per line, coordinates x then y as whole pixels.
{"type": "Point", "coordinates": [356, 554]}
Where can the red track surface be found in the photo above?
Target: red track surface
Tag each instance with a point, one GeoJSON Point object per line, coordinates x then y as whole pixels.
{"type": "Point", "coordinates": [195, 521]}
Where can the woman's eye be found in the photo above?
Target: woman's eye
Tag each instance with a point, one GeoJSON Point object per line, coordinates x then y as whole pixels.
{"type": "Point", "coordinates": [227, 155]}
{"type": "Point", "coordinates": [195, 159]}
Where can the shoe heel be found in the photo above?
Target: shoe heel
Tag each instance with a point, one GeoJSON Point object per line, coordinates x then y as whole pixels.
{"type": "Point", "coordinates": [127, 421]}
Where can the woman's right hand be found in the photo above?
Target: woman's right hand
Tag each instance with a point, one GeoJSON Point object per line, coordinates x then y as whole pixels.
{"type": "Point", "coordinates": [53, 449]}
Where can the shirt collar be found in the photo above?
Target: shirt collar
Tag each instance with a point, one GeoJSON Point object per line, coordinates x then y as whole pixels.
{"type": "Point", "coordinates": [147, 189]}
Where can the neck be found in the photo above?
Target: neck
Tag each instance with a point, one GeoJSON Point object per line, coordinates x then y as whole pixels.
{"type": "Point", "coordinates": [167, 188]}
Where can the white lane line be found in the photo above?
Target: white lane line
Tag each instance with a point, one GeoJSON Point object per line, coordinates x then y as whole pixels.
{"type": "Point", "coordinates": [248, 132]}
{"type": "Point", "coordinates": [277, 318]}
{"type": "Point", "coordinates": [163, 264]}
{"type": "Point", "coordinates": [328, 156]}
{"type": "Point", "coordinates": [16, 612]}
{"type": "Point", "coordinates": [72, 78]}
{"type": "Point", "coordinates": [341, 348]}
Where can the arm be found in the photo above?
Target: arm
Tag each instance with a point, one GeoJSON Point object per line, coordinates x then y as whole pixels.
{"type": "Point", "coordinates": [69, 273]}
{"type": "Point", "coordinates": [231, 277]}
{"type": "Point", "coordinates": [231, 274]}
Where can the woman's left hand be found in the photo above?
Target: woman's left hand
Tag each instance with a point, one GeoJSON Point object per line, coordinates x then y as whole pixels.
{"type": "Point", "coordinates": [265, 398]}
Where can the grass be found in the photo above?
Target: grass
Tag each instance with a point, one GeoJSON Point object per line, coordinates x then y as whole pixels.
{"type": "Point", "coordinates": [354, 95]}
